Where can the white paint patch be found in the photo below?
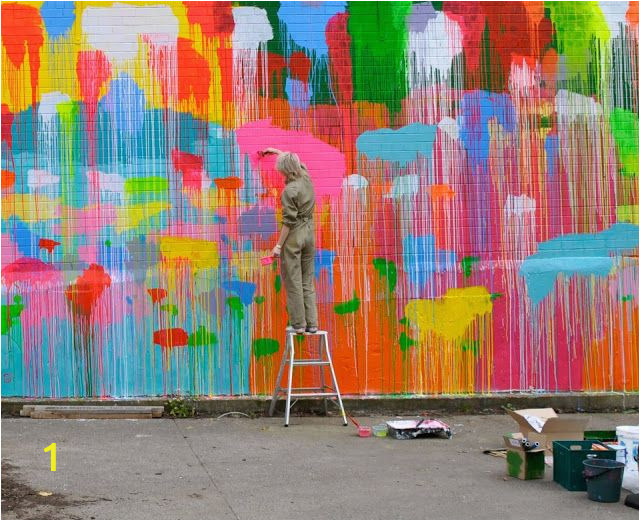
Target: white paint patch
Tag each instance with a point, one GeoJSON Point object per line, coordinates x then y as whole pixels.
{"type": "Point", "coordinates": [449, 126]}
{"type": "Point", "coordinates": [38, 179]}
{"type": "Point", "coordinates": [355, 182]}
{"type": "Point", "coordinates": [106, 182]}
{"type": "Point", "coordinates": [615, 14]}
{"type": "Point", "coordinates": [519, 205]}
{"type": "Point", "coordinates": [571, 106]}
{"type": "Point", "coordinates": [48, 108]}
{"type": "Point", "coordinates": [404, 186]}
{"type": "Point", "coordinates": [116, 30]}
{"type": "Point", "coordinates": [252, 28]}
{"type": "Point", "coordinates": [522, 77]}
{"type": "Point", "coordinates": [431, 51]}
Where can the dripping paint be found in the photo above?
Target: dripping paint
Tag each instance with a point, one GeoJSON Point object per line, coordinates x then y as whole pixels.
{"type": "Point", "coordinates": [476, 167]}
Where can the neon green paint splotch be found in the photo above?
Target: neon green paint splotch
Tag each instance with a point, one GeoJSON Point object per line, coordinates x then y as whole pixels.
{"type": "Point", "coordinates": [202, 337]}
{"type": "Point", "coordinates": [388, 270]}
{"type": "Point", "coordinates": [467, 264]}
{"type": "Point", "coordinates": [624, 127]}
{"type": "Point", "coordinates": [264, 347]}
{"type": "Point", "coordinates": [350, 306]}
{"type": "Point", "coordinates": [10, 312]}
{"type": "Point", "coordinates": [67, 115]}
{"type": "Point", "coordinates": [379, 39]}
{"type": "Point", "coordinates": [146, 185]}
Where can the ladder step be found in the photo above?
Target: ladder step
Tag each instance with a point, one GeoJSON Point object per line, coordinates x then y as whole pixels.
{"type": "Point", "coordinates": [310, 362]}
{"type": "Point", "coordinates": [311, 395]}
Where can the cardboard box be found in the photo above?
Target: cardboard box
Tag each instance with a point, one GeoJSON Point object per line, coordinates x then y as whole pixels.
{"type": "Point", "coordinates": [545, 426]}
{"type": "Point", "coordinates": [523, 464]}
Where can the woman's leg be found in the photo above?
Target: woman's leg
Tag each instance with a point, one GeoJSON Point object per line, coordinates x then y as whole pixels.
{"type": "Point", "coordinates": [307, 261]}
{"type": "Point", "coordinates": [292, 278]}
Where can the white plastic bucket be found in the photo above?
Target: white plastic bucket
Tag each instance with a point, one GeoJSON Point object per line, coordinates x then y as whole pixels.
{"type": "Point", "coordinates": [628, 437]}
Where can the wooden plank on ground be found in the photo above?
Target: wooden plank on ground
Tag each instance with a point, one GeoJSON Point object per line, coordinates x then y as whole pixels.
{"type": "Point", "coordinates": [155, 410]}
{"type": "Point", "coordinates": [89, 415]}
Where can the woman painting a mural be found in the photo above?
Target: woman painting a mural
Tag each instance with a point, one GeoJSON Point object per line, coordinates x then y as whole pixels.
{"type": "Point", "coordinates": [296, 244]}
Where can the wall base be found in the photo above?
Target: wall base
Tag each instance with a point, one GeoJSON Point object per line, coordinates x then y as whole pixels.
{"type": "Point", "coordinates": [376, 405]}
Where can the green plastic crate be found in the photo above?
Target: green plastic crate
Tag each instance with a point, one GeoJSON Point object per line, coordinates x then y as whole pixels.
{"type": "Point", "coordinates": [567, 463]}
{"type": "Point", "coordinates": [605, 436]}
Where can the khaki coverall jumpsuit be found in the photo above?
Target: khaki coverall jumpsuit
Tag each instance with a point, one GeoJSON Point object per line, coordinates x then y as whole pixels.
{"type": "Point", "coordinates": [298, 252]}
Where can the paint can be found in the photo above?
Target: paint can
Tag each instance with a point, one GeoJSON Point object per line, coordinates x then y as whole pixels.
{"type": "Point", "coordinates": [380, 430]}
{"type": "Point", "coordinates": [364, 431]}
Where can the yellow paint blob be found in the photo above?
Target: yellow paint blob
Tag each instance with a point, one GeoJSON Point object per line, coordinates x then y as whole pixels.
{"type": "Point", "coordinates": [131, 216]}
{"type": "Point", "coordinates": [199, 253]}
{"type": "Point", "coordinates": [30, 208]}
{"type": "Point", "coordinates": [451, 315]}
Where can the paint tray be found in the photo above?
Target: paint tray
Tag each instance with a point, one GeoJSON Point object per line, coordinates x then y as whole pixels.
{"type": "Point", "coordinates": [418, 428]}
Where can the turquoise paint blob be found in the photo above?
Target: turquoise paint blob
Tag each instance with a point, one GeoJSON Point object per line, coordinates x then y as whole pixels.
{"type": "Point", "coordinates": [576, 254]}
{"type": "Point", "coordinates": [402, 146]}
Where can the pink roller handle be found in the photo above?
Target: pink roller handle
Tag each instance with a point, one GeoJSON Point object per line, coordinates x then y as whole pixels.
{"type": "Point", "coordinates": [266, 261]}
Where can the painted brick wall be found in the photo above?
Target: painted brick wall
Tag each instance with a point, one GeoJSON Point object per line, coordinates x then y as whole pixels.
{"type": "Point", "coordinates": [476, 167]}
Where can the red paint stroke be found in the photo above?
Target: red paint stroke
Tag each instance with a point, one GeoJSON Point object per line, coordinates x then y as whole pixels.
{"type": "Point", "coordinates": [214, 18]}
{"type": "Point", "coordinates": [7, 123]}
{"type": "Point", "coordinates": [27, 269]}
{"type": "Point", "coordinates": [300, 66]}
{"type": "Point", "coordinates": [48, 244]}
{"type": "Point", "coordinates": [339, 44]}
{"type": "Point", "coordinates": [471, 19]}
{"type": "Point", "coordinates": [174, 337]}
{"type": "Point", "coordinates": [276, 63]}
{"type": "Point", "coordinates": [93, 70]}
{"type": "Point", "coordinates": [190, 166]}
{"type": "Point", "coordinates": [87, 289]}
{"type": "Point", "coordinates": [8, 179]}
{"type": "Point", "coordinates": [157, 294]}
{"type": "Point", "coordinates": [230, 183]}
{"type": "Point", "coordinates": [22, 32]}
{"type": "Point", "coordinates": [193, 73]}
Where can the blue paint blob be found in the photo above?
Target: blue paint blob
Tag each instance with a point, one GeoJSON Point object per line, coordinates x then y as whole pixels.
{"type": "Point", "coordinates": [298, 93]}
{"type": "Point", "coordinates": [258, 220]}
{"type": "Point", "coordinates": [576, 254]}
{"type": "Point", "coordinates": [58, 18]}
{"type": "Point", "coordinates": [402, 145]}
{"type": "Point", "coordinates": [476, 109]}
{"type": "Point", "coordinates": [125, 102]}
{"type": "Point", "coordinates": [551, 144]}
{"type": "Point", "coordinates": [21, 235]}
{"type": "Point", "coordinates": [421, 259]}
{"type": "Point", "coordinates": [324, 261]}
{"type": "Point", "coordinates": [244, 290]}
{"type": "Point", "coordinates": [307, 21]}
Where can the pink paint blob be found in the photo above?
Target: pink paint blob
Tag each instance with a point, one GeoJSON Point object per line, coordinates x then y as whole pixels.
{"type": "Point", "coordinates": [33, 271]}
{"type": "Point", "coordinates": [326, 164]}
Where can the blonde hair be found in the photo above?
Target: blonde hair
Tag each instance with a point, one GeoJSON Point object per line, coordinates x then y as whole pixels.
{"type": "Point", "coordinates": [289, 164]}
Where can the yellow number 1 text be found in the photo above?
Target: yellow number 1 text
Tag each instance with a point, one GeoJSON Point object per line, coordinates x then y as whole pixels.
{"type": "Point", "coordinates": [52, 448]}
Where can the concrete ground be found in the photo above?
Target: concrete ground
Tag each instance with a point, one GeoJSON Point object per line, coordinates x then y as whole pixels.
{"type": "Point", "coordinates": [244, 469]}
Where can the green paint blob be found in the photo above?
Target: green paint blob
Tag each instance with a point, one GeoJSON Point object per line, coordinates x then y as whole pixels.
{"type": "Point", "coordinates": [144, 185]}
{"type": "Point", "coordinates": [202, 337]}
{"type": "Point", "coordinates": [534, 465]}
{"type": "Point", "coordinates": [626, 298]}
{"type": "Point", "coordinates": [378, 51]}
{"type": "Point", "coordinates": [404, 321]}
{"type": "Point", "coordinates": [10, 312]}
{"type": "Point", "coordinates": [581, 35]}
{"type": "Point", "coordinates": [265, 347]}
{"type": "Point", "coordinates": [278, 283]}
{"type": "Point", "coordinates": [545, 122]}
{"type": "Point", "coordinates": [236, 307]}
{"type": "Point", "coordinates": [387, 269]}
{"type": "Point", "coordinates": [624, 126]}
{"type": "Point", "coordinates": [406, 342]}
{"type": "Point", "coordinates": [350, 306]}
{"type": "Point", "coordinates": [259, 299]}
{"type": "Point", "coordinates": [495, 296]}
{"type": "Point", "coordinates": [107, 243]}
{"type": "Point", "coordinates": [171, 308]}
{"type": "Point", "coordinates": [467, 264]}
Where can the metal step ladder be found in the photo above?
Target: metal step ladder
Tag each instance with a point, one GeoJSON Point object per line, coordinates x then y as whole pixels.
{"type": "Point", "coordinates": [323, 361]}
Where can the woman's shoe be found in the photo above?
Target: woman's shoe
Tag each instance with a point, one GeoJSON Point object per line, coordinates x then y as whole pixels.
{"type": "Point", "coordinates": [312, 330]}
{"type": "Point", "coordinates": [299, 330]}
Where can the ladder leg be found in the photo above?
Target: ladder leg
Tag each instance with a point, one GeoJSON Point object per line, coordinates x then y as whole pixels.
{"type": "Point", "coordinates": [291, 359]}
{"type": "Point", "coordinates": [322, 379]}
{"type": "Point", "coordinates": [335, 380]}
{"type": "Point", "coordinates": [277, 389]}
